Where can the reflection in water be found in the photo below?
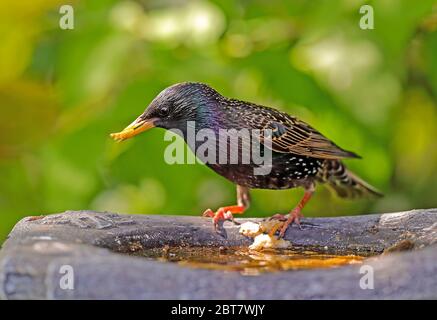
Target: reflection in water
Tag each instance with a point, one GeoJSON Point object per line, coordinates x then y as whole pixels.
{"type": "Point", "coordinates": [249, 262]}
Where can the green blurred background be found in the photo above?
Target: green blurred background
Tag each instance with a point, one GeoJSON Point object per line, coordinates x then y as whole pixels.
{"type": "Point", "coordinates": [63, 91]}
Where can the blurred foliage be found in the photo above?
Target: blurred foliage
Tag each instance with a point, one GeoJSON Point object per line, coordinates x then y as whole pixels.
{"type": "Point", "coordinates": [63, 91]}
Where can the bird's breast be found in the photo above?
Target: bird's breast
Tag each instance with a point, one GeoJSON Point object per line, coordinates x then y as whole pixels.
{"type": "Point", "coordinates": [284, 172]}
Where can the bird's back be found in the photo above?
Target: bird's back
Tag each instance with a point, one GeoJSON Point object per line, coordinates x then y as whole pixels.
{"type": "Point", "coordinates": [300, 155]}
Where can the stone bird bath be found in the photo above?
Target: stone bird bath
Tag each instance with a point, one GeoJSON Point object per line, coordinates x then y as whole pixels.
{"type": "Point", "coordinates": [95, 244]}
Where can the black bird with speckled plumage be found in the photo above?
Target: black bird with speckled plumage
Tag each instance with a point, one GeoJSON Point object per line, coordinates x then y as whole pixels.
{"type": "Point", "coordinates": [301, 156]}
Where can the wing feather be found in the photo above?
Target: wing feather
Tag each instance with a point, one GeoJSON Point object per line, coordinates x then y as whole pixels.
{"type": "Point", "coordinates": [289, 134]}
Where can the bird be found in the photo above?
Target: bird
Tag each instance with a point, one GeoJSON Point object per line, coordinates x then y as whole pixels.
{"type": "Point", "coordinates": [300, 155]}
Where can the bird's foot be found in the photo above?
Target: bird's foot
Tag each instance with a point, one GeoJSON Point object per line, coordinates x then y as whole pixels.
{"type": "Point", "coordinates": [293, 217]}
{"type": "Point", "coordinates": [278, 225]}
{"type": "Point", "coordinates": [285, 221]}
{"type": "Point", "coordinates": [223, 214]}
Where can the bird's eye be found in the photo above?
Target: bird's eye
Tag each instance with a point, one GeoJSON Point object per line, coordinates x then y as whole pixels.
{"type": "Point", "coordinates": [164, 111]}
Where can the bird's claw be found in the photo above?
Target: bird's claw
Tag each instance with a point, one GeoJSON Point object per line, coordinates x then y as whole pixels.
{"type": "Point", "coordinates": [293, 217]}
{"type": "Point", "coordinates": [219, 217]}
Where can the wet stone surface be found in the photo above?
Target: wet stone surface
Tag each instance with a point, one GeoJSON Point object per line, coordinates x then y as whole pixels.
{"type": "Point", "coordinates": [121, 256]}
{"type": "Point", "coordinates": [248, 262]}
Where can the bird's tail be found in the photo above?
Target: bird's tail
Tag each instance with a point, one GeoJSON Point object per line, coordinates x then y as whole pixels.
{"type": "Point", "coordinates": [345, 183]}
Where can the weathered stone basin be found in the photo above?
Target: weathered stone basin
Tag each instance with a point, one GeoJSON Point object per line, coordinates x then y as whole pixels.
{"type": "Point", "coordinates": [31, 260]}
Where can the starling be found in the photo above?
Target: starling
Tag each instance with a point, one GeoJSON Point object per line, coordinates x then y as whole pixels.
{"type": "Point", "coordinates": [300, 155]}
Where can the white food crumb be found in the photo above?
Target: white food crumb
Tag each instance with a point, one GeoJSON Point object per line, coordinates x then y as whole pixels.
{"type": "Point", "coordinates": [265, 241]}
{"type": "Point", "coordinates": [262, 240]}
{"type": "Point", "coordinates": [250, 229]}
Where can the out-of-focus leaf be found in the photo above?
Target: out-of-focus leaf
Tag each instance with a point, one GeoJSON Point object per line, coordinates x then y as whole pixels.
{"type": "Point", "coordinates": [28, 114]}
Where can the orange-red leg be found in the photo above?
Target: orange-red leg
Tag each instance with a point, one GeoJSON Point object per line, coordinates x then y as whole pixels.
{"type": "Point", "coordinates": [226, 213]}
{"type": "Point", "coordinates": [295, 215]}
{"type": "Point", "coordinates": [223, 213]}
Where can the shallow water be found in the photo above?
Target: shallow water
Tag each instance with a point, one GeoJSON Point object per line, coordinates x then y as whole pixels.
{"type": "Point", "coordinates": [249, 262]}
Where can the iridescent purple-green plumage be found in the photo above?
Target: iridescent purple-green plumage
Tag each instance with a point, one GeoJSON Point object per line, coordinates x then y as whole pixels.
{"type": "Point", "coordinates": [301, 156]}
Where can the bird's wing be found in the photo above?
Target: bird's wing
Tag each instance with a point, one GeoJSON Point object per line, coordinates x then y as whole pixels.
{"type": "Point", "coordinates": [291, 135]}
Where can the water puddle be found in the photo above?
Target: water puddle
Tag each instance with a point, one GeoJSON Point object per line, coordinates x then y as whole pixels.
{"type": "Point", "coordinates": [249, 262]}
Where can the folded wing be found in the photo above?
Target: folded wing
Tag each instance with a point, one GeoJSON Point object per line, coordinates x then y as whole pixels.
{"type": "Point", "coordinates": [287, 134]}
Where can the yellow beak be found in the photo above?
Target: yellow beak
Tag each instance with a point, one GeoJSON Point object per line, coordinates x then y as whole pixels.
{"type": "Point", "coordinates": [136, 127]}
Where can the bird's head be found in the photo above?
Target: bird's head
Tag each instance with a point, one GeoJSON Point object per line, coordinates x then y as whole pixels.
{"type": "Point", "coordinates": [171, 109]}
